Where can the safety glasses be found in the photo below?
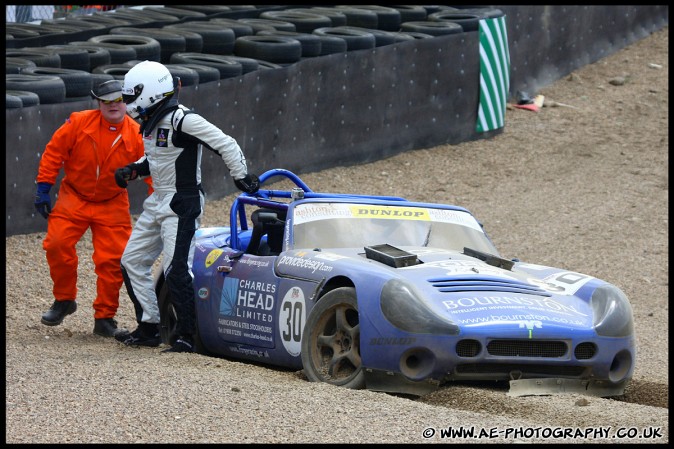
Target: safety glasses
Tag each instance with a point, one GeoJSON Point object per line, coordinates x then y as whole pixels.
{"type": "Point", "coordinates": [116, 100]}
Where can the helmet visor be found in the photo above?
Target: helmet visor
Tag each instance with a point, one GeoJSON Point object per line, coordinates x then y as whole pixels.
{"type": "Point", "coordinates": [129, 95]}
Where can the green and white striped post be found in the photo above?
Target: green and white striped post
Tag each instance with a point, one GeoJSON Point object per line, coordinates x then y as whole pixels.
{"type": "Point", "coordinates": [494, 74]}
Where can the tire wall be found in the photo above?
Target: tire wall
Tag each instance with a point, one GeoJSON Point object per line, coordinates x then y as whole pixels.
{"type": "Point", "coordinates": [353, 107]}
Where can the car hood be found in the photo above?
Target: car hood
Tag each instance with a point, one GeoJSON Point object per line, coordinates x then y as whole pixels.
{"type": "Point", "coordinates": [468, 290]}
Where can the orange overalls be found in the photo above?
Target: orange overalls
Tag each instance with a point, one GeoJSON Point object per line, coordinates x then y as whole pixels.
{"type": "Point", "coordinates": [90, 150]}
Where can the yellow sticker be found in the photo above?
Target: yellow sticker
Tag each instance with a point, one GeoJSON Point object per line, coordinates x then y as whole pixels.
{"type": "Point", "coordinates": [212, 257]}
{"type": "Point", "coordinates": [392, 212]}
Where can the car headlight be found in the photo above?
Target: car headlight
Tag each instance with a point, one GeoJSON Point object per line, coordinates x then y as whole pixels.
{"type": "Point", "coordinates": [612, 312]}
{"type": "Point", "coordinates": [405, 308]}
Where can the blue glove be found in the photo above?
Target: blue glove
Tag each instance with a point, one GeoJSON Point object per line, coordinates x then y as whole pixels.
{"type": "Point", "coordinates": [249, 184]}
{"type": "Point", "coordinates": [42, 199]}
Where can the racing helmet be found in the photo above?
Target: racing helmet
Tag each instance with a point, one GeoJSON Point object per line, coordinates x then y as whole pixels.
{"type": "Point", "coordinates": [145, 86]}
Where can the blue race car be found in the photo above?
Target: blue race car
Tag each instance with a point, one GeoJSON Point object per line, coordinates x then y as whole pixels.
{"type": "Point", "coordinates": [382, 293]}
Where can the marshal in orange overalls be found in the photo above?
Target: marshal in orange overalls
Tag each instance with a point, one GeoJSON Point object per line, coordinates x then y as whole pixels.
{"type": "Point", "coordinates": [89, 149]}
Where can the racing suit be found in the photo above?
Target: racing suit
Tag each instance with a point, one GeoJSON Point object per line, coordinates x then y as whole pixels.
{"type": "Point", "coordinates": [89, 149]}
{"type": "Point", "coordinates": [173, 139]}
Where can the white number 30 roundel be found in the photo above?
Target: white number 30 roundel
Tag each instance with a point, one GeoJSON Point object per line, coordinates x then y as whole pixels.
{"type": "Point", "coordinates": [292, 317]}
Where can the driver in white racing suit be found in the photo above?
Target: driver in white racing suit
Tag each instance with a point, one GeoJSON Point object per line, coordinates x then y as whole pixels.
{"type": "Point", "coordinates": [173, 137]}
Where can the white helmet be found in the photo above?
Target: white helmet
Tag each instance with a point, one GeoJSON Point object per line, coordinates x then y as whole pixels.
{"type": "Point", "coordinates": [145, 85]}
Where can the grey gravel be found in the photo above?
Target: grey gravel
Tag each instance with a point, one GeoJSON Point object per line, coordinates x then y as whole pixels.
{"type": "Point", "coordinates": [583, 186]}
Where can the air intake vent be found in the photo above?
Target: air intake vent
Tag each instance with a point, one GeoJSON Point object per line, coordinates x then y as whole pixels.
{"type": "Point", "coordinates": [527, 348]}
{"type": "Point", "coordinates": [585, 351]}
{"type": "Point", "coordinates": [468, 283]}
{"type": "Point", "coordinates": [468, 348]}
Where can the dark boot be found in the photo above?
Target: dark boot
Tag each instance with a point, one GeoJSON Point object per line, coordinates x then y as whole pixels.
{"type": "Point", "coordinates": [182, 344]}
{"type": "Point", "coordinates": [107, 327]}
{"type": "Point", "coordinates": [146, 334]}
{"type": "Point", "coordinates": [58, 311]}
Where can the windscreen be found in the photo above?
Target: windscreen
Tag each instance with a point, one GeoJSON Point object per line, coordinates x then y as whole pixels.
{"type": "Point", "coordinates": [348, 225]}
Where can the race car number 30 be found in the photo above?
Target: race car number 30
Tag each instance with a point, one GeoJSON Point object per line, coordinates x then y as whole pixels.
{"type": "Point", "coordinates": [292, 317]}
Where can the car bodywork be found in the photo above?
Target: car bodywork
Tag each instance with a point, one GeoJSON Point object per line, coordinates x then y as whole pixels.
{"type": "Point", "coordinates": [392, 295]}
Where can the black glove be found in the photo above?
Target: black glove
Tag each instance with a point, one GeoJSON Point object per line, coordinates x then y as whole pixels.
{"type": "Point", "coordinates": [124, 174]}
{"type": "Point", "coordinates": [249, 184]}
{"type": "Point", "coordinates": [42, 199]}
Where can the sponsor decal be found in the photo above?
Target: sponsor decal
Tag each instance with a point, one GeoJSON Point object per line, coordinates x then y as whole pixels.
{"type": "Point", "coordinates": [162, 137]}
{"type": "Point", "coordinates": [391, 212]}
{"type": "Point", "coordinates": [252, 262]}
{"type": "Point", "coordinates": [528, 320]}
{"type": "Point", "coordinates": [569, 282]}
{"type": "Point", "coordinates": [299, 262]}
{"type": "Point", "coordinates": [476, 303]}
{"type": "Point", "coordinates": [457, 267]}
{"type": "Point", "coordinates": [292, 317]}
{"type": "Point", "coordinates": [246, 311]}
{"type": "Point", "coordinates": [321, 211]}
{"type": "Point", "coordinates": [529, 325]}
{"type": "Point", "coordinates": [382, 341]}
{"type": "Point", "coordinates": [203, 293]}
{"type": "Point", "coordinates": [213, 256]}
{"type": "Point", "coordinates": [250, 351]}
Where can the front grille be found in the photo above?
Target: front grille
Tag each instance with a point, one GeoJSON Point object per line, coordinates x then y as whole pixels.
{"type": "Point", "coordinates": [482, 283]}
{"type": "Point", "coordinates": [468, 348]}
{"type": "Point", "coordinates": [585, 351]}
{"type": "Point", "coordinates": [527, 348]}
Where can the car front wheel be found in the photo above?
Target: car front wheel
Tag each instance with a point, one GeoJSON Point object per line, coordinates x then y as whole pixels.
{"type": "Point", "coordinates": [331, 341]}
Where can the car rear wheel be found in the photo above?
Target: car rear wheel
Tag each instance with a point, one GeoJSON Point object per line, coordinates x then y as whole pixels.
{"type": "Point", "coordinates": [331, 341]}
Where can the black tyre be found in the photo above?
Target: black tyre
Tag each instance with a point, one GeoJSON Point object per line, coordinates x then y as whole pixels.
{"type": "Point", "coordinates": [432, 28]}
{"type": "Point", "coordinates": [27, 98]}
{"type": "Point", "coordinates": [194, 42]}
{"type": "Point", "coordinates": [227, 67]}
{"type": "Point", "coordinates": [12, 102]}
{"type": "Point", "coordinates": [311, 44]}
{"type": "Point", "coordinates": [98, 78]}
{"type": "Point", "coordinates": [381, 37]}
{"type": "Point", "coordinates": [118, 71]}
{"type": "Point", "coordinates": [168, 319]}
{"type": "Point", "coordinates": [332, 44]}
{"type": "Point", "coordinates": [239, 28]}
{"type": "Point", "coordinates": [145, 46]}
{"type": "Point", "coordinates": [16, 65]}
{"type": "Point", "coordinates": [152, 18]}
{"type": "Point", "coordinates": [40, 56]}
{"type": "Point", "coordinates": [188, 77]}
{"type": "Point", "coordinates": [118, 53]}
{"type": "Point", "coordinates": [71, 57]}
{"type": "Point", "coordinates": [403, 35]}
{"type": "Point", "coordinates": [78, 82]}
{"type": "Point", "coordinates": [468, 21]}
{"type": "Point", "coordinates": [337, 17]}
{"type": "Point", "coordinates": [411, 13]}
{"type": "Point", "coordinates": [216, 40]}
{"type": "Point", "coordinates": [177, 12]}
{"type": "Point", "coordinates": [169, 43]}
{"type": "Point", "coordinates": [359, 17]}
{"type": "Point", "coordinates": [278, 49]}
{"type": "Point", "coordinates": [264, 24]}
{"type": "Point", "coordinates": [484, 12]}
{"type": "Point", "coordinates": [355, 39]}
{"type": "Point", "coordinates": [331, 341]}
{"type": "Point", "coordinates": [51, 89]}
{"type": "Point", "coordinates": [95, 56]}
{"type": "Point", "coordinates": [305, 22]}
{"type": "Point", "coordinates": [206, 73]}
{"type": "Point", "coordinates": [388, 19]}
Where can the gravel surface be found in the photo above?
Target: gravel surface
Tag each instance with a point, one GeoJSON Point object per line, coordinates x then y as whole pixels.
{"type": "Point", "coordinates": [583, 184]}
